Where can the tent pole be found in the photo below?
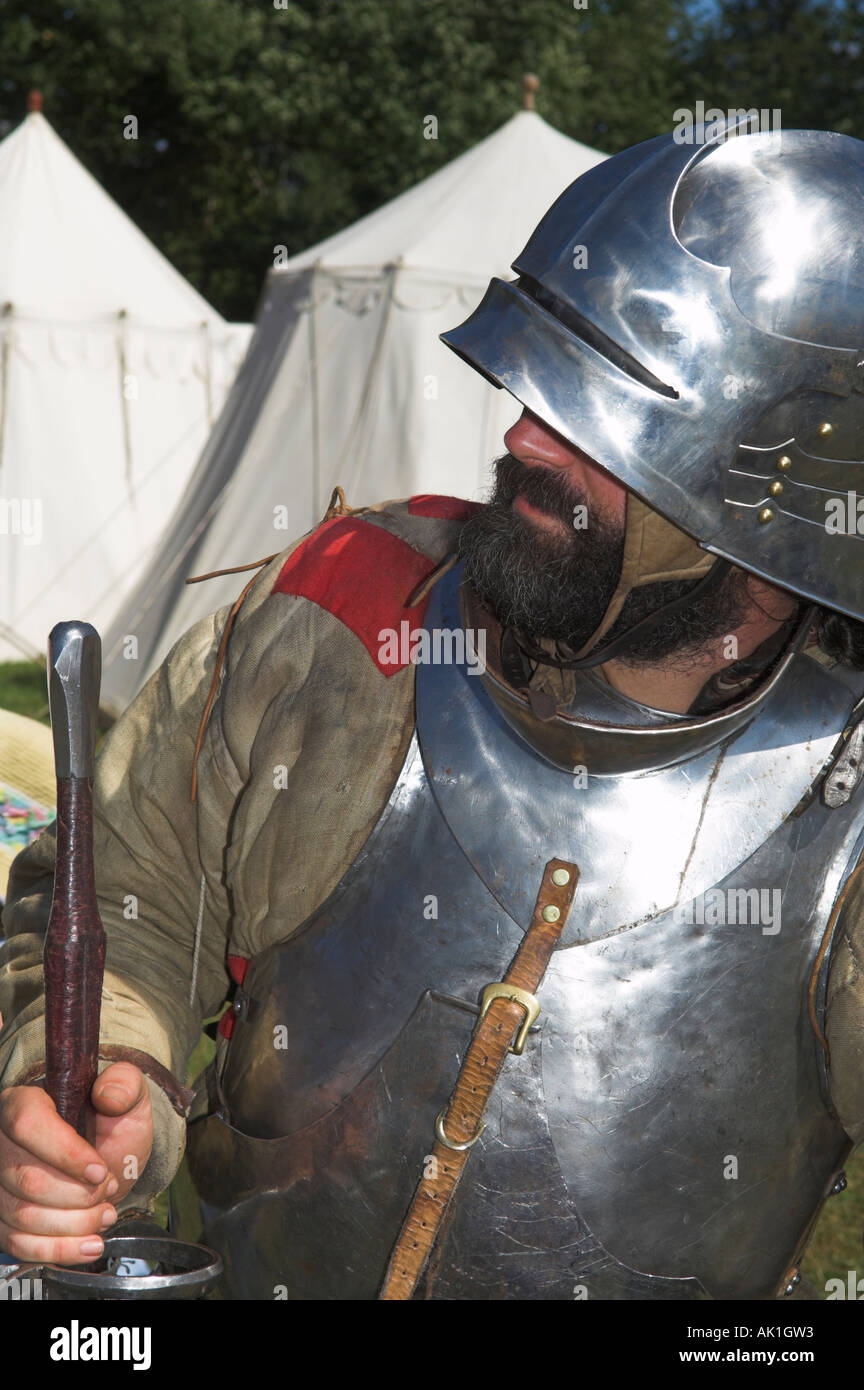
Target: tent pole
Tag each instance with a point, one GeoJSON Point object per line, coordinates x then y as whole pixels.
{"type": "Point", "coordinates": [124, 403]}
{"type": "Point", "coordinates": [4, 375]}
{"type": "Point", "coordinates": [208, 374]}
{"type": "Point", "coordinates": [316, 412]}
{"type": "Point", "coordinates": [362, 415]}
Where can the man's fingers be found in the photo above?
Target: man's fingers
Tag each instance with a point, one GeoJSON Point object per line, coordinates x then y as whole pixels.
{"type": "Point", "coordinates": [61, 1250]}
{"type": "Point", "coordinates": [28, 1117]}
{"type": "Point", "coordinates": [30, 1179]}
{"type": "Point", "coordinates": [118, 1089]}
{"type": "Point", "coordinates": [32, 1219]}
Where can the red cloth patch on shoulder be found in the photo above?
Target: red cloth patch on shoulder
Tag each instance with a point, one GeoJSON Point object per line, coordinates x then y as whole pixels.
{"type": "Point", "coordinates": [442, 508]}
{"type": "Point", "coordinates": [361, 574]}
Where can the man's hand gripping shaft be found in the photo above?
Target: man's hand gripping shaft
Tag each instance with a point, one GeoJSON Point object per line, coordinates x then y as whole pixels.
{"type": "Point", "coordinates": [64, 1151]}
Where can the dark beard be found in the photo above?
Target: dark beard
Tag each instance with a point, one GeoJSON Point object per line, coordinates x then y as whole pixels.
{"type": "Point", "coordinates": [559, 584]}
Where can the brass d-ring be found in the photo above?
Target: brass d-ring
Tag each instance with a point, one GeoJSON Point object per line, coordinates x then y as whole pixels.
{"type": "Point", "coordinates": [448, 1143]}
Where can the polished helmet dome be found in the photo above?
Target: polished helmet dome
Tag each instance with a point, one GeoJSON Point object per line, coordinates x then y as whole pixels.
{"type": "Point", "coordinates": [692, 317]}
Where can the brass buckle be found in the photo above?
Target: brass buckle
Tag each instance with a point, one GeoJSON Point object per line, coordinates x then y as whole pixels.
{"type": "Point", "coordinates": [451, 1143]}
{"type": "Point", "coordinates": [529, 1002]}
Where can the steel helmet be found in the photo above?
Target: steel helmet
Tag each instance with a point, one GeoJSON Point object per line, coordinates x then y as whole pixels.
{"type": "Point", "coordinates": [692, 317]}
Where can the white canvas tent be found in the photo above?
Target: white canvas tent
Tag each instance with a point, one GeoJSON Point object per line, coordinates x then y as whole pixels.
{"type": "Point", "coordinates": [346, 382]}
{"type": "Point", "coordinates": [112, 373]}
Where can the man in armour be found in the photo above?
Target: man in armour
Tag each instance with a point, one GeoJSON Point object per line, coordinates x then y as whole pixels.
{"type": "Point", "coordinates": [656, 717]}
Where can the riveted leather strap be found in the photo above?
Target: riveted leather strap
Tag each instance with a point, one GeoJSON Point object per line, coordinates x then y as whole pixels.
{"type": "Point", "coordinates": [462, 1121]}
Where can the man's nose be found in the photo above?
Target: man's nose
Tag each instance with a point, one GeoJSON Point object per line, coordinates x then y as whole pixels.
{"type": "Point", "coordinates": [536, 445]}
{"type": "Point", "coordinates": [532, 442]}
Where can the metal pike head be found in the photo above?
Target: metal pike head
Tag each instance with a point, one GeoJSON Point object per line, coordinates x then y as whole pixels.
{"type": "Point", "coordinates": [74, 676]}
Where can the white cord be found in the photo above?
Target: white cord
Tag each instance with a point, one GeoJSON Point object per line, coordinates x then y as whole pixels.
{"type": "Point", "coordinates": [197, 941]}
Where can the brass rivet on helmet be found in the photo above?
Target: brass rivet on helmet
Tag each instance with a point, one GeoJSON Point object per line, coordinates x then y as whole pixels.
{"type": "Point", "coordinates": [560, 877]}
{"type": "Point", "coordinates": [766, 515]}
{"type": "Point", "coordinates": [776, 488]}
{"type": "Point", "coordinates": [784, 462]}
{"type": "Point", "coordinates": [825, 428]}
{"type": "Point", "coordinates": [551, 913]}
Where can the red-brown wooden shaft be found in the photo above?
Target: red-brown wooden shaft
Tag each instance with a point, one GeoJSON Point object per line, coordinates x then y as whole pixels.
{"type": "Point", "coordinates": [74, 958]}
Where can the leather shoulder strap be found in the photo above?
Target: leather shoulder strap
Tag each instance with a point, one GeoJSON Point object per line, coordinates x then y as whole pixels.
{"type": "Point", "coordinates": [507, 1005]}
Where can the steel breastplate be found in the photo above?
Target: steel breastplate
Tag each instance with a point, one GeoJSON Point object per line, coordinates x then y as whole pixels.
{"type": "Point", "coordinates": [670, 1053]}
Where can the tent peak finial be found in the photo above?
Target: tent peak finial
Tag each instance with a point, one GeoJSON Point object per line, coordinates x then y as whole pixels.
{"type": "Point", "coordinates": [34, 101]}
{"type": "Point", "coordinates": [530, 83]}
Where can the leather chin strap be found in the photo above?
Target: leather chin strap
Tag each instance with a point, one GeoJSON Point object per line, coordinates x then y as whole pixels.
{"type": "Point", "coordinates": [607, 650]}
{"type": "Point", "coordinates": [655, 551]}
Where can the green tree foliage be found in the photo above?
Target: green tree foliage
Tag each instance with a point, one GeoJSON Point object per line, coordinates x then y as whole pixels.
{"type": "Point", "coordinates": [781, 54]}
{"type": "Point", "coordinates": [265, 124]}
{"type": "Point", "coordinates": [262, 125]}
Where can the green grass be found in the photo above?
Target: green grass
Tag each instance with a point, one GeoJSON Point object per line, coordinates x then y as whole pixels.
{"type": "Point", "coordinates": [202, 1056]}
{"type": "Point", "coordinates": [837, 1240]}
{"type": "Point", "coordinates": [184, 1198]}
{"type": "Point", "coordinates": [23, 689]}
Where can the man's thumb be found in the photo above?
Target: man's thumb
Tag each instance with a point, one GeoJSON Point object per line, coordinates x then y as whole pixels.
{"type": "Point", "coordinates": [118, 1089]}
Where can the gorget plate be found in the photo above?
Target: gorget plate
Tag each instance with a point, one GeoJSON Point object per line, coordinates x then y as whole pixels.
{"type": "Point", "coordinates": [644, 842]}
